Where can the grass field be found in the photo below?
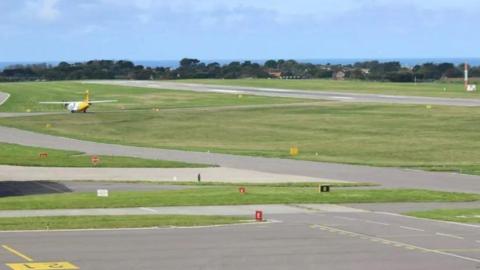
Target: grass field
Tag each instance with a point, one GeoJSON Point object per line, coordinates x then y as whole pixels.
{"type": "Point", "coordinates": [227, 195]}
{"type": "Point", "coordinates": [103, 222]}
{"type": "Point", "coordinates": [457, 215]}
{"type": "Point", "coordinates": [440, 138]}
{"type": "Point", "coordinates": [25, 97]}
{"type": "Point", "coordinates": [433, 89]}
{"type": "Point", "coordinates": [12, 154]}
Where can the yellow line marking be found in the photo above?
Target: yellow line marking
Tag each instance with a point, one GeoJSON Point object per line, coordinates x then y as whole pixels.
{"type": "Point", "coordinates": [42, 266]}
{"type": "Point", "coordinates": [400, 244]}
{"type": "Point", "coordinates": [17, 253]}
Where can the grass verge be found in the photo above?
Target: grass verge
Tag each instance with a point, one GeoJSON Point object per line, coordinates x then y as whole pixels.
{"type": "Point", "coordinates": [457, 215]}
{"type": "Point", "coordinates": [18, 155]}
{"type": "Point", "coordinates": [227, 195]}
{"type": "Point", "coordinates": [377, 135]}
{"type": "Point", "coordinates": [112, 222]}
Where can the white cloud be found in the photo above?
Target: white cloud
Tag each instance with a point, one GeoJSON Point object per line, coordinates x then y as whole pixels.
{"type": "Point", "coordinates": [44, 10]}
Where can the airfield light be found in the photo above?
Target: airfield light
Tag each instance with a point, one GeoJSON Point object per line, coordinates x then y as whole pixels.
{"type": "Point", "coordinates": [258, 215]}
{"type": "Point", "coordinates": [95, 160]}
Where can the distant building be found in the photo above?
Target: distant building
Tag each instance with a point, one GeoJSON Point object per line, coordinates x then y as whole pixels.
{"type": "Point", "coordinates": [338, 75]}
{"type": "Point", "coordinates": [274, 73]}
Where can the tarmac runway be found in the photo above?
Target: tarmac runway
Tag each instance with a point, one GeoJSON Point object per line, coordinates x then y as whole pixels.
{"type": "Point", "coordinates": [315, 240]}
{"type": "Point", "coordinates": [387, 177]}
{"type": "Point", "coordinates": [294, 93]}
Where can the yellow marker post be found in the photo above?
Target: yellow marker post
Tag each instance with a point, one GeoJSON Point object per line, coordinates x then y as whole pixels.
{"type": "Point", "coordinates": [42, 266]}
{"type": "Point", "coordinates": [293, 151]}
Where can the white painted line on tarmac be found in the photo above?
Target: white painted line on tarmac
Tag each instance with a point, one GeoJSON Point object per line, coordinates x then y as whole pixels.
{"type": "Point", "coordinates": [449, 235]}
{"type": "Point", "coordinates": [149, 210]}
{"type": "Point", "coordinates": [346, 218]}
{"type": "Point", "coordinates": [426, 219]}
{"type": "Point", "coordinates": [412, 228]}
{"type": "Point", "coordinates": [376, 222]}
{"type": "Point", "coordinates": [394, 243]}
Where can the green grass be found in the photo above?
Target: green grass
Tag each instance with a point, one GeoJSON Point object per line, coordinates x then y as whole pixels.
{"type": "Point", "coordinates": [109, 222]}
{"type": "Point", "coordinates": [13, 154]}
{"type": "Point", "coordinates": [457, 215]}
{"type": "Point", "coordinates": [25, 97]}
{"type": "Point", "coordinates": [227, 195]}
{"type": "Point", "coordinates": [434, 89]}
{"type": "Point", "coordinates": [440, 138]}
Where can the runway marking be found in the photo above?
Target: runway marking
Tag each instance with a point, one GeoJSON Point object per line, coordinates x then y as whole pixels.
{"type": "Point", "coordinates": [346, 218]}
{"type": "Point", "coordinates": [376, 222]}
{"type": "Point", "coordinates": [42, 266]}
{"type": "Point", "coordinates": [449, 235]}
{"type": "Point", "coordinates": [426, 219]}
{"type": "Point", "coordinates": [30, 265]}
{"type": "Point", "coordinates": [149, 210]}
{"type": "Point", "coordinates": [23, 256]}
{"type": "Point", "coordinates": [412, 228]}
{"type": "Point", "coordinates": [394, 243]}
{"type": "Point", "coordinates": [460, 249]}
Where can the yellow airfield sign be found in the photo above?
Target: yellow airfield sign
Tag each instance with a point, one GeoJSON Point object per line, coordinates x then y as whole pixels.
{"type": "Point", "coordinates": [42, 266]}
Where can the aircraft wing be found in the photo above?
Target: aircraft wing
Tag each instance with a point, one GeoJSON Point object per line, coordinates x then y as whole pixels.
{"type": "Point", "coordinates": [101, 101]}
{"type": "Point", "coordinates": [56, 102]}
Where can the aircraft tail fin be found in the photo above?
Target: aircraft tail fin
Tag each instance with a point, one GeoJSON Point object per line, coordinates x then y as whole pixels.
{"type": "Point", "coordinates": [86, 97]}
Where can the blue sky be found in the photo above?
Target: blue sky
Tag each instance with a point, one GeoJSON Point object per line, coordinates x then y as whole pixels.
{"type": "Point", "coordinates": [48, 30]}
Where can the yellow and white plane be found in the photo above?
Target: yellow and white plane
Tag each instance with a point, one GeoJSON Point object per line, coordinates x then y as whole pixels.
{"type": "Point", "coordinates": [78, 106]}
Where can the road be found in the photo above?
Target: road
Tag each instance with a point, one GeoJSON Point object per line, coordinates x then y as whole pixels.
{"type": "Point", "coordinates": [291, 93]}
{"type": "Point", "coordinates": [315, 240]}
{"type": "Point", "coordinates": [388, 177]}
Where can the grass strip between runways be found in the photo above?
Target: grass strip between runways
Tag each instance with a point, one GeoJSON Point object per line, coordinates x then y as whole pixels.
{"type": "Point", "coordinates": [227, 195]}
{"type": "Point", "coordinates": [108, 222]}
{"type": "Point", "coordinates": [457, 215]}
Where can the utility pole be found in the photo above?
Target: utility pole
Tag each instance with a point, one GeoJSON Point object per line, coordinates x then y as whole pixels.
{"type": "Point", "coordinates": [466, 76]}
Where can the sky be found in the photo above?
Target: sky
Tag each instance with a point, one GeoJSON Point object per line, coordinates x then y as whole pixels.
{"type": "Point", "coordinates": [79, 30]}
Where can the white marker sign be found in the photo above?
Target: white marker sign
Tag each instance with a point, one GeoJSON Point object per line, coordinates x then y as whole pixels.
{"type": "Point", "coordinates": [102, 192]}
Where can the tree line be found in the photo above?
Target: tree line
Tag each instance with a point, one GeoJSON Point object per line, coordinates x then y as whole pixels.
{"type": "Point", "coordinates": [190, 68]}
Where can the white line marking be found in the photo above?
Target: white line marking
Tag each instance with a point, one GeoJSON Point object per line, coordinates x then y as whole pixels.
{"type": "Point", "coordinates": [3, 101]}
{"type": "Point", "coordinates": [426, 219]}
{"type": "Point", "coordinates": [412, 228]}
{"type": "Point", "coordinates": [346, 218]}
{"type": "Point", "coordinates": [336, 97]}
{"type": "Point", "coordinates": [400, 244]}
{"type": "Point", "coordinates": [149, 210]}
{"type": "Point", "coordinates": [449, 235]}
{"type": "Point", "coordinates": [376, 222]}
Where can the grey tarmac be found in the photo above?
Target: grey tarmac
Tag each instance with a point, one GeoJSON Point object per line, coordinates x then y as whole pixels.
{"type": "Point", "coordinates": [387, 177]}
{"type": "Point", "coordinates": [294, 93]}
{"type": "Point", "coordinates": [322, 240]}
